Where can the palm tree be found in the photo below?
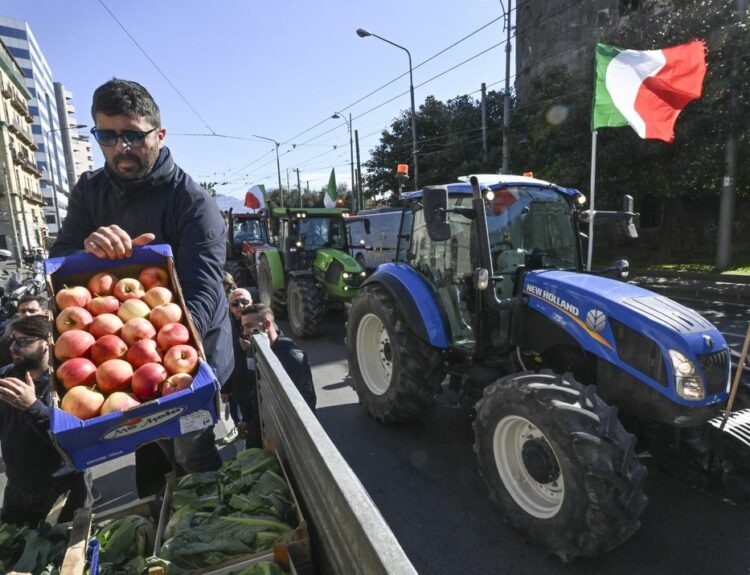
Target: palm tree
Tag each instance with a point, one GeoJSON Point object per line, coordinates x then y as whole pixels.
{"type": "Point", "coordinates": [210, 187]}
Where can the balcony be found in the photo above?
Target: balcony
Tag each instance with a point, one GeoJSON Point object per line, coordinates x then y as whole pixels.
{"type": "Point", "coordinates": [19, 105]}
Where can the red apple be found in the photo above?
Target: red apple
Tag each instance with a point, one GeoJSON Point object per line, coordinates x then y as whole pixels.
{"type": "Point", "coordinates": [161, 315]}
{"type": "Point", "coordinates": [136, 329]}
{"type": "Point", "coordinates": [102, 284]}
{"type": "Point", "coordinates": [108, 347]}
{"type": "Point", "coordinates": [73, 343]}
{"type": "Point", "coordinates": [133, 308]}
{"type": "Point", "coordinates": [105, 324]}
{"type": "Point", "coordinates": [76, 371]}
{"type": "Point", "coordinates": [143, 351]}
{"type": "Point", "coordinates": [157, 296]}
{"type": "Point", "coordinates": [181, 359]}
{"type": "Point", "coordinates": [74, 296]}
{"type": "Point", "coordinates": [119, 401]}
{"type": "Point", "coordinates": [148, 379]}
{"type": "Point", "coordinates": [82, 402]}
{"type": "Point", "coordinates": [128, 288]}
{"type": "Point", "coordinates": [103, 304]}
{"type": "Point", "coordinates": [153, 276]}
{"type": "Point", "coordinates": [175, 383]}
{"type": "Point", "coordinates": [73, 317]}
{"type": "Point", "coordinates": [172, 334]}
{"type": "Point", "coordinates": [113, 375]}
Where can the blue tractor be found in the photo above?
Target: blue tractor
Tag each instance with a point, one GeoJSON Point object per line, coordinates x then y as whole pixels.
{"type": "Point", "coordinates": [488, 295]}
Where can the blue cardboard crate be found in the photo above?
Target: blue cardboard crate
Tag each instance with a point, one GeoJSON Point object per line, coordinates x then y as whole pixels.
{"type": "Point", "coordinates": [85, 443]}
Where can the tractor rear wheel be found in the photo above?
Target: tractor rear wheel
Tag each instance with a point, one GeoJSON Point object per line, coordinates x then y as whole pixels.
{"type": "Point", "coordinates": [559, 464]}
{"type": "Point", "coordinates": [305, 307]}
{"type": "Point", "coordinates": [267, 295]}
{"type": "Point", "coordinates": [396, 375]}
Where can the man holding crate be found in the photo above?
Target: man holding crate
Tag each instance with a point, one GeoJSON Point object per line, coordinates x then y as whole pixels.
{"type": "Point", "coordinates": [142, 196]}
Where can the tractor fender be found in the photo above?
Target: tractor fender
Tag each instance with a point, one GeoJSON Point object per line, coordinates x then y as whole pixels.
{"type": "Point", "coordinates": [277, 268]}
{"type": "Point", "coordinates": [417, 300]}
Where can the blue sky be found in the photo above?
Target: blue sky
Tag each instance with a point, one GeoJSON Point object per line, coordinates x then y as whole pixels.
{"type": "Point", "coordinates": [277, 68]}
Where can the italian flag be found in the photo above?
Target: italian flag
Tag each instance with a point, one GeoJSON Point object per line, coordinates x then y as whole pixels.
{"type": "Point", "coordinates": [329, 196]}
{"type": "Point", "coordinates": [255, 198]}
{"type": "Point", "coordinates": [647, 89]}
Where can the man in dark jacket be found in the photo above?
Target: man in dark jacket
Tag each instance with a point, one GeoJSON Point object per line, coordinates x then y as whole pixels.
{"type": "Point", "coordinates": [259, 318]}
{"type": "Point", "coordinates": [29, 457]}
{"type": "Point", "coordinates": [142, 196]}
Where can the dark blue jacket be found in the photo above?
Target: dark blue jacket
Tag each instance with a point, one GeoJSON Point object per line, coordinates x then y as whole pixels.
{"type": "Point", "coordinates": [171, 205]}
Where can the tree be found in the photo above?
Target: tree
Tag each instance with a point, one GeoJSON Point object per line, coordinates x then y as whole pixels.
{"type": "Point", "coordinates": [210, 187]}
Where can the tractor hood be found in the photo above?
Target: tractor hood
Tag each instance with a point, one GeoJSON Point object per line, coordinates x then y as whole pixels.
{"type": "Point", "coordinates": [325, 256]}
{"type": "Point", "coordinates": [617, 321]}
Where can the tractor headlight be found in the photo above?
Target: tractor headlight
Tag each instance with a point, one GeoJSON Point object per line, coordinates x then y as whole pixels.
{"type": "Point", "coordinates": [346, 275]}
{"type": "Point", "coordinates": [363, 274]}
{"type": "Point", "coordinates": [688, 382]}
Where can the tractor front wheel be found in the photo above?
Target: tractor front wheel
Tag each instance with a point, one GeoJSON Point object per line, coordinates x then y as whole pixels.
{"type": "Point", "coordinates": [559, 464]}
{"type": "Point", "coordinates": [396, 375]}
{"type": "Point", "coordinates": [305, 307]}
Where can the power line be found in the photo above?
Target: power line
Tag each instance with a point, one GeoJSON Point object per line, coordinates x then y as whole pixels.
{"type": "Point", "coordinates": [154, 64]}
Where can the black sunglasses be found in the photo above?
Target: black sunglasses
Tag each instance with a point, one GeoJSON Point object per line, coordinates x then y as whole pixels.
{"type": "Point", "coordinates": [239, 302]}
{"type": "Point", "coordinates": [132, 138]}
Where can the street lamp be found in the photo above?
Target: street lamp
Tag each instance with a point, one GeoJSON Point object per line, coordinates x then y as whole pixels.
{"type": "Point", "coordinates": [355, 192]}
{"type": "Point", "coordinates": [52, 171]}
{"type": "Point", "coordinates": [362, 33]}
{"type": "Point", "coordinates": [278, 165]}
{"type": "Point", "coordinates": [506, 99]}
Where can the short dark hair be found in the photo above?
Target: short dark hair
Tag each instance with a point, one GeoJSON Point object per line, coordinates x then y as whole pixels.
{"type": "Point", "coordinates": [32, 326]}
{"type": "Point", "coordinates": [41, 300]}
{"type": "Point", "coordinates": [125, 97]}
{"type": "Point", "coordinates": [261, 309]}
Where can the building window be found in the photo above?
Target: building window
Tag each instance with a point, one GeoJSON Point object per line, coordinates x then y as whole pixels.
{"type": "Point", "coordinates": [50, 219]}
{"type": "Point", "coordinates": [603, 19]}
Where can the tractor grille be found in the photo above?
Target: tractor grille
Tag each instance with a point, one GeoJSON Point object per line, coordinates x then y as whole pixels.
{"type": "Point", "coordinates": [737, 425]}
{"type": "Point", "coordinates": [715, 366]}
{"type": "Point", "coordinates": [333, 273]}
{"type": "Point", "coordinates": [639, 351]}
{"type": "Point", "coordinates": [355, 280]}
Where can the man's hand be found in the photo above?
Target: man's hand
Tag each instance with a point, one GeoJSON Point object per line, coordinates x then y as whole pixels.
{"type": "Point", "coordinates": [245, 343]}
{"type": "Point", "coordinates": [19, 394]}
{"type": "Point", "coordinates": [242, 429]}
{"type": "Point", "coordinates": [112, 242]}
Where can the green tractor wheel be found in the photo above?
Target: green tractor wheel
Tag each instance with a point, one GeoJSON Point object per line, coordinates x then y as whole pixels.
{"type": "Point", "coordinates": [305, 307]}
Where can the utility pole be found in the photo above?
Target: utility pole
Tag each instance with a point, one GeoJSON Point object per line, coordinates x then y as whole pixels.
{"type": "Point", "coordinates": [288, 187]}
{"type": "Point", "coordinates": [361, 196]}
{"type": "Point", "coordinates": [506, 99]}
{"type": "Point", "coordinates": [299, 187]}
{"type": "Point", "coordinates": [484, 122]}
{"type": "Point", "coordinates": [728, 184]}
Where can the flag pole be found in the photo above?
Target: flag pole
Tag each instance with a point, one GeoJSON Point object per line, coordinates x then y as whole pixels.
{"type": "Point", "coordinates": [591, 206]}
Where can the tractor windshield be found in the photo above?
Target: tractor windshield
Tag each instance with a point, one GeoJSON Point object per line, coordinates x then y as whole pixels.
{"type": "Point", "coordinates": [247, 231]}
{"type": "Point", "coordinates": [323, 233]}
{"type": "Point", "coordinates": [531, 227]}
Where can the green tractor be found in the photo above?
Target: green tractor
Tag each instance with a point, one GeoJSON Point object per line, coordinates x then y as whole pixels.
{"type": "Point", "coordinates": [246, 234]}
{"type": "Point", "coordinates": [311, 270]}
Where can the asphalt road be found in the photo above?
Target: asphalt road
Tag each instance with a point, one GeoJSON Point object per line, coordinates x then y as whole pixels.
{"type": "Point", "coordinates": [424, 479]}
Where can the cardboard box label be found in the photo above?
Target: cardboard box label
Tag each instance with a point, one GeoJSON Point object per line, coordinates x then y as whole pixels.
{"type": "Point", "coordinates": [195, 421]}
{"type": "Point", "coordinates": [137, 424]}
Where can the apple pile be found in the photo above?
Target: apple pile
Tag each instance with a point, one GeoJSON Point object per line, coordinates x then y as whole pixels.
{"type": "Point", "coordinates": [121, 342]}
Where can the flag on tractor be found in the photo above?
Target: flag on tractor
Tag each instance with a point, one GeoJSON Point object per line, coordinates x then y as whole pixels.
{"type": "Point", "coordinates": [329, 196]}
{"type": "Point", "coordinates": [647, 89]}
{"type": "Point", "coordinates": [255, 198]}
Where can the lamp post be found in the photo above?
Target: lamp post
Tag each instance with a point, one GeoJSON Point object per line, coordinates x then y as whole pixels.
{"type": "Point", "coordinates": [53, 154]}
{"type": "Point", "coordinates": [362, 33]}
{"type": "Point", "coordinates": [278, 165]}
{"type": "Point", "coordinates": [506, 99]}
{"type": "Point", "coordinates": [355, 191]}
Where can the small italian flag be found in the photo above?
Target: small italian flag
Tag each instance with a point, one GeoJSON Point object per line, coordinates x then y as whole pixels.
{"type": "Point", "coordinates": [329, 196]}
{"type": "Point", "coordinates": [647, 89]}
{"type": "Point", "coordinates": [255, 198]}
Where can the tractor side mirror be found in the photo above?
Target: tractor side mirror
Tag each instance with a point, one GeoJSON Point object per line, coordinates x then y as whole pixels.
{"type": "Point", "coordinates": [435, 205]}
{"type": "Point", "coordinates": [622, 268]}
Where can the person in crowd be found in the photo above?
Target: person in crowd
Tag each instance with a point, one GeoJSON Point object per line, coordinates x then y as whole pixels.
{"type": "Point", "coordinates": [259, 318]}
{"type": "Point", "coordinates": [236, 391]}
{"type": "Point", "coordinates": [28, 305]}
{"type": "Point", "coordinates": [141, 196]}
{"type": "Point", "coordinates": [31, 461]}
